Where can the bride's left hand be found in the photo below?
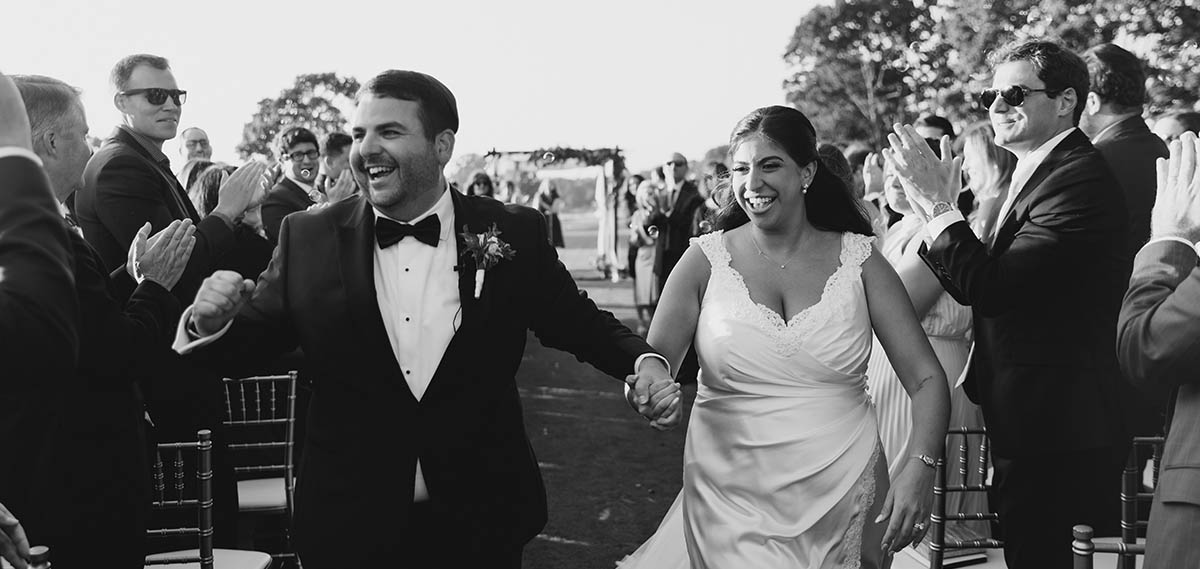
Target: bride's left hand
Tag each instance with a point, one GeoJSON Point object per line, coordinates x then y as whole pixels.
{"type": "Point", "coordinates": [908, 503]}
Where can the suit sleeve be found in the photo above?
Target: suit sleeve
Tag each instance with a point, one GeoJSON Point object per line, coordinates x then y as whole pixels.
{"type": "Point", "coordinates": [127, 196]}
{"type": "Point", "coordinates": [1158, 334]}
{"type": "Point", "coordinates": [1069, 229]}
{"type": "Point", "coordinates": [566, 319]}
{"type": "Point", "coordinates": [274, 209]}
{"type": "Point", "coordinates": [39, 309]}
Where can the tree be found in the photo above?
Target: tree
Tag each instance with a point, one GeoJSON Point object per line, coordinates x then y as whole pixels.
{"type": "Point", "coordinates": [312, 102]}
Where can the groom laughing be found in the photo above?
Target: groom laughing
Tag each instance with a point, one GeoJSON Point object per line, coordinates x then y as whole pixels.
{"type": "Point", "coordinates": [412, 306]}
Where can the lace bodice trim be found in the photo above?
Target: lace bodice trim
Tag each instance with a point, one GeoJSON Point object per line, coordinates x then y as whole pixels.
{"type": "Point", "coordinates": [836, 297]}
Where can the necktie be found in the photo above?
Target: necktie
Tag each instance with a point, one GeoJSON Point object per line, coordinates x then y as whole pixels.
{"type": "Point", "coordinates": [388, 232]}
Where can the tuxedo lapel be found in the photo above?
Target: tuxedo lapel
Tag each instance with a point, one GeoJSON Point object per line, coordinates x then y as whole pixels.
{"type": "Point", "coordinates": [356, 248]}
{"type": "Point", "coordinates": [1007, 229]}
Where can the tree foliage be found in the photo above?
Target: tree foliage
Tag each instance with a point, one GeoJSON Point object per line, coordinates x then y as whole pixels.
{"type": "Point", "coordinates": [858, 65]}
{"type": "Point", "coordinates": [312, 103]}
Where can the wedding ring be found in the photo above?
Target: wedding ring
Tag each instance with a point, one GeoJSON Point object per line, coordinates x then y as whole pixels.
{"type": "Point", "coordinates": [919, 526]}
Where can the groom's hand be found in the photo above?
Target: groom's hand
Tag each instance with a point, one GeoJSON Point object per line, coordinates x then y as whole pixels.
{"type": "Point", "coordinates": [220, 298]}
{"type": "Point", "coordinates": [654, 394]}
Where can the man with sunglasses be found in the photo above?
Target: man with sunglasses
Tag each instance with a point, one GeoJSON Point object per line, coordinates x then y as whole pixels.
{"type": "Point", "coordinates": [129, 181]}
{"type": "Point", "coordinates": [1045, 296]}
{"type": "Point", "coordinates": [298, 156]}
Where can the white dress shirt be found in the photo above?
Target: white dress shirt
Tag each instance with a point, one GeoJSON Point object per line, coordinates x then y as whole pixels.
{"type": "Point", "coordinates": [1021, 173]}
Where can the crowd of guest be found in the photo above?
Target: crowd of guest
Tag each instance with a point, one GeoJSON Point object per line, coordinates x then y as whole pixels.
{"type": "Point", "coordinates": [1015, 239]}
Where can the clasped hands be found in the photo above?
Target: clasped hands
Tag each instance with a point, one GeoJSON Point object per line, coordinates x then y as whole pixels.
{"type": "Point", "coordinates": [653, 393]}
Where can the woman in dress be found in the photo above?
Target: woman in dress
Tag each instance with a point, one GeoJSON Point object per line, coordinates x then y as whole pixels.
{"type": "Point", "coordinates": [645, 282]}
{"type": "Point", "coordinates": [480, 184]}
{"type": "Point", "coordinates": [782, 465]}
{"type": "Point", "coordinates": [548, 203]}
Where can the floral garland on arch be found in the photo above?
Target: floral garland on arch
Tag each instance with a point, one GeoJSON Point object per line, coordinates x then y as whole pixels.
{"type": "Point", "coordinates": [585, 156]}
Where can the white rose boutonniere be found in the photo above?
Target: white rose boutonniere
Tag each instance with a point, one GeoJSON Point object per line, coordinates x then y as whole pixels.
{"type": "Point", "coordinates": [488, 250]}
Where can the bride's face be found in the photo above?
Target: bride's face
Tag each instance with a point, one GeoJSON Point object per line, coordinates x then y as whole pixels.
{"type": "Point", "coordinates": [767, 183]}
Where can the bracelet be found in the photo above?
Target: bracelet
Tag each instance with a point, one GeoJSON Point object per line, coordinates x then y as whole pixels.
{"type": "Point", "coordinates": [926, 460]}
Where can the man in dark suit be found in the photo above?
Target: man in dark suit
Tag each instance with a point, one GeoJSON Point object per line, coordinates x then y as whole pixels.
{"type": "Point", "coordinates": [680, 200]}
{"type": "Point", "coordinates": [1159, 331]}
{"type": "Point", "coordinates": [1045, 297]}
{"type": "Point", "coordinates": [129, 181]}
{"type": "Point", "coordinates": [39, 317]}
{"type": "Point", "coordinates": [100, 436]}
{"type": "Point", "coordinates": [298, 154]}
{"type": "Point", "coordinates": [416, 454]}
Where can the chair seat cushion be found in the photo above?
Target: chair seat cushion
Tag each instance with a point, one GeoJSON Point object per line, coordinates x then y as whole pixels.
{"type": "Point", "coordinates": [266, 494]}
{"type": "Point", "coordinates": [222, 559]}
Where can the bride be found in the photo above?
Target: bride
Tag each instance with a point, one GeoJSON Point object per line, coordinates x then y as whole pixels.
{"type": "Point", "coordinates": [782, 465]}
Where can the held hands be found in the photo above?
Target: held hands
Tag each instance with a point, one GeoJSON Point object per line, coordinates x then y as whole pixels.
{"type": "Point", "coordinates": [925, 177]}
{"type": "Point", "coordinates": [1177, 208]}
{"type": "Point", "coordinates": [14, 546]}
{"type": "Point", "coordinates": [161, 259]}
{"type": "Point", "coordinates": [237, 193]}
{"type": "Point", "coordinates": [219, 299]}
{"type": "Point", "coordinates": [655, 395]}
{"type": "Point", "coordinates": [14, 122]}
{"type": "Point", "coordinates": [907, 507]}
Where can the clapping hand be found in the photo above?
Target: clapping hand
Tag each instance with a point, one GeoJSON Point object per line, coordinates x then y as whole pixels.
{"type": "Point", "coordinates": [238, 192]}
{"type": "Point", "coordinates": [1177, 208]}
{"type": "Point", "coordinates": [907, 507]}
{"type": "Point", "coordinates": [161, 259]}
{"type": "Point", "coordinates": [872, 174]}
{"type": "Point", "coordinates": [925, 177]}
{"type": "Point", "coordinates": [219, 299]}
{"type": "Point", "coordinates": [14, 546]}
{"type": "Point", "coordinates": [341, 189]}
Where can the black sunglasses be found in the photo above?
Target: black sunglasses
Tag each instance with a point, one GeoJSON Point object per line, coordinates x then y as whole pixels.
{"type": "Point", "coordinates": [158, 96]}
{"type": "Point", "coordinates": [1013, 95]}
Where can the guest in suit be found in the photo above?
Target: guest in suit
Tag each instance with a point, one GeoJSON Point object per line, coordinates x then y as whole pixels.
{"type": "Point", "coordinates": [681, 199]}
{"type": "Point", "coordinates": [1045, 296]}
{"type": "Point", "coordinates": [298, 154]}
{"type": "Point", "coordinates": [39, 318]}
{"type": "Point", "coordinates": [101, 437]}
{"type": "Point", "coordinates": [1159, 329]}
{"type": "Point", "coordinates": [194, 145]}
{"type": "Point", "coordinates": [416, 453]}
{"type": "Point", "coordinates": [129, 181]}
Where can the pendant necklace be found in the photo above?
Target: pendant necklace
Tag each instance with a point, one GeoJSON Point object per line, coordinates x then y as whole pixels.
{"type": "Point", "coordinates": [782, 266]}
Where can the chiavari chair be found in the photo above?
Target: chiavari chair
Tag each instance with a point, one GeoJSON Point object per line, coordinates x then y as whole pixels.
{"type": "Point", "coordinates": [1129, 546]}
{"type": "Point", "coordinates": [964, 482]}
{"type": "Point", "coordinates": [260, 414]}
{"type": "Point", "coordinates": [171, 492]}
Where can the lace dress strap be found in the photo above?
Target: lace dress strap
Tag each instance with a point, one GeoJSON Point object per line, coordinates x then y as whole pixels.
{"type": "Point", "coordinates": [856, 249]}
{"type": "Point", "coordinates": [713, 246]}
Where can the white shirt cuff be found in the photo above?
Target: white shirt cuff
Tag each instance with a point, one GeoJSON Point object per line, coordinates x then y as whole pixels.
{"type": "Point", "coordinates": [937, 225]}
{"type": "Point", "coordinates": [6, 151]}
{"type": "Point", "coordinates": [186, 341]}
{"type": "Point", "coordinates": [1195, 246]}
{"type": "Point", "coordinates": [637, 364]}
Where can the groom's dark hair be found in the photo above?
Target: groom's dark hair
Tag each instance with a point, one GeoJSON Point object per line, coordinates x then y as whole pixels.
{"type": "Point", "coordinates": [438, 110]}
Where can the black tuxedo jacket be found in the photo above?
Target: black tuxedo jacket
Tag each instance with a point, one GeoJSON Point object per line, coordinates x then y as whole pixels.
{"type": "Point", "coordinates": [365, 427]}
{"type": "Point", "coordinates": [1045, 299]}
{"type": "Point", "coordinates": [39, 323]}
{"type": "Point", "coordinates": [283, 199]}
{"type": "Point", "coordinates": [123, 189]}
{"type": "Point", "coordinates": [675, 231]}
{"type": "Point", "coordinates": [95, 496]}
{"type": "Point", "coordinates": [1132, 151]}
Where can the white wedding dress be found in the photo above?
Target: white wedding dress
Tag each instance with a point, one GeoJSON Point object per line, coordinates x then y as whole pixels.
{"type": "Point", "coordinates": [782, 465]}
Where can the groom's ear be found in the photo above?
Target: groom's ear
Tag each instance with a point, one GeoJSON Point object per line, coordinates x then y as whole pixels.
{"type": "Point", "coordinates": [443, 145]}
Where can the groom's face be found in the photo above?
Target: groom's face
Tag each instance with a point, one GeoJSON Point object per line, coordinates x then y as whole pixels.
{"type": "Point", "coordinates": [390, 155]}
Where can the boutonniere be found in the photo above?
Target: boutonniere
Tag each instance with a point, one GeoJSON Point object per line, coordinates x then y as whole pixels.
{"type": "Point", "coordinates": [488, 250]}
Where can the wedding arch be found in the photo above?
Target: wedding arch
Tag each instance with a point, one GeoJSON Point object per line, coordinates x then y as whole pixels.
{"type": "Point", "coordinates": [605, 165]}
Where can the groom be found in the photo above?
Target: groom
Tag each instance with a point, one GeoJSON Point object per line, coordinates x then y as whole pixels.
{"type": "Point", "coordinates": [416, 454]}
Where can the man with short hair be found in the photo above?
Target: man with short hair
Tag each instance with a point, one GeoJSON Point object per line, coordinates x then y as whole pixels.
{"type": "Point", "coordinates": [1170, 126]}
{"type": "Point", "coordinates": [1112, 118]}
{"type": "Point", "coordinates": [123, 318]}
{"type": "Point", "coordinates": [194, 144]}
{"type": "Point", "coordinates": [680, 198]}
{"type": "Point", "coordinates": [298, 156]}
{"type": "Point", "coordinates": [415, 319]}
{"type": "Point", "coordinates": [129, 181]}
{"type": "Point", "coordinates": [1045, 296]}
{"type": "Point", "coordinates": [934, 127]}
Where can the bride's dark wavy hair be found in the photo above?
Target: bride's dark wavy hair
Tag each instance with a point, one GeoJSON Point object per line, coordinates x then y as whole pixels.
{"type": "Point", "coordinates": [828, 203]}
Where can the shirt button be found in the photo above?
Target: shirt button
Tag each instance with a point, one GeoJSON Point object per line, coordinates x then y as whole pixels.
{"type": "Point", "coordinates": [408, 371]}
{"type": "Point", "coordinates": [406, 319]}
{"type": "Point", "coordinates": [406, 269]}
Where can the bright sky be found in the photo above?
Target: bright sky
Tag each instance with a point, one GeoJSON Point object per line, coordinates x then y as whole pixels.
{"type": "Point", "coordinates": [650, 76]}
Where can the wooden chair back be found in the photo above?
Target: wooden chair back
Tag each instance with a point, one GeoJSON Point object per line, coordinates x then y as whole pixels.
{"type": "Point", "coordinates": [1132, 522]}
{"type": "Point", "coordinates": [263, 408]}
{"type": "Point", "coordinates": [972, 476]}
{"type": "Point", "coordinates": [169, 466]}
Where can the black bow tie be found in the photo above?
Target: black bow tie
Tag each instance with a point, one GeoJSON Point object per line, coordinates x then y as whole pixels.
{"type": "Point", "coordinates": [388, 232]}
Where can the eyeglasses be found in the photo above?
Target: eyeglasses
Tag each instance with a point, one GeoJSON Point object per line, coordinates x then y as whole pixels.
{"type": "Point", "coordinates": [1013, 95]}
{"type": "Point", "coordinates": [677, 164]}
{"type": "Point", "coordinates": [157, 96]}
{"type": "Point", "coordinates": [298, 156]}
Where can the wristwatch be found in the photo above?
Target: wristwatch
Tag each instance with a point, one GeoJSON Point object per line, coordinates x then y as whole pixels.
{"type": "Point", "coordinates": [942, 207]}
{"type": "Point", "coordinates": [926, 459]}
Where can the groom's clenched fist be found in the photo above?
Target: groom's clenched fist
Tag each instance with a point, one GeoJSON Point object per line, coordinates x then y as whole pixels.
{"type": "Point", "coordinates": [218, 301]}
